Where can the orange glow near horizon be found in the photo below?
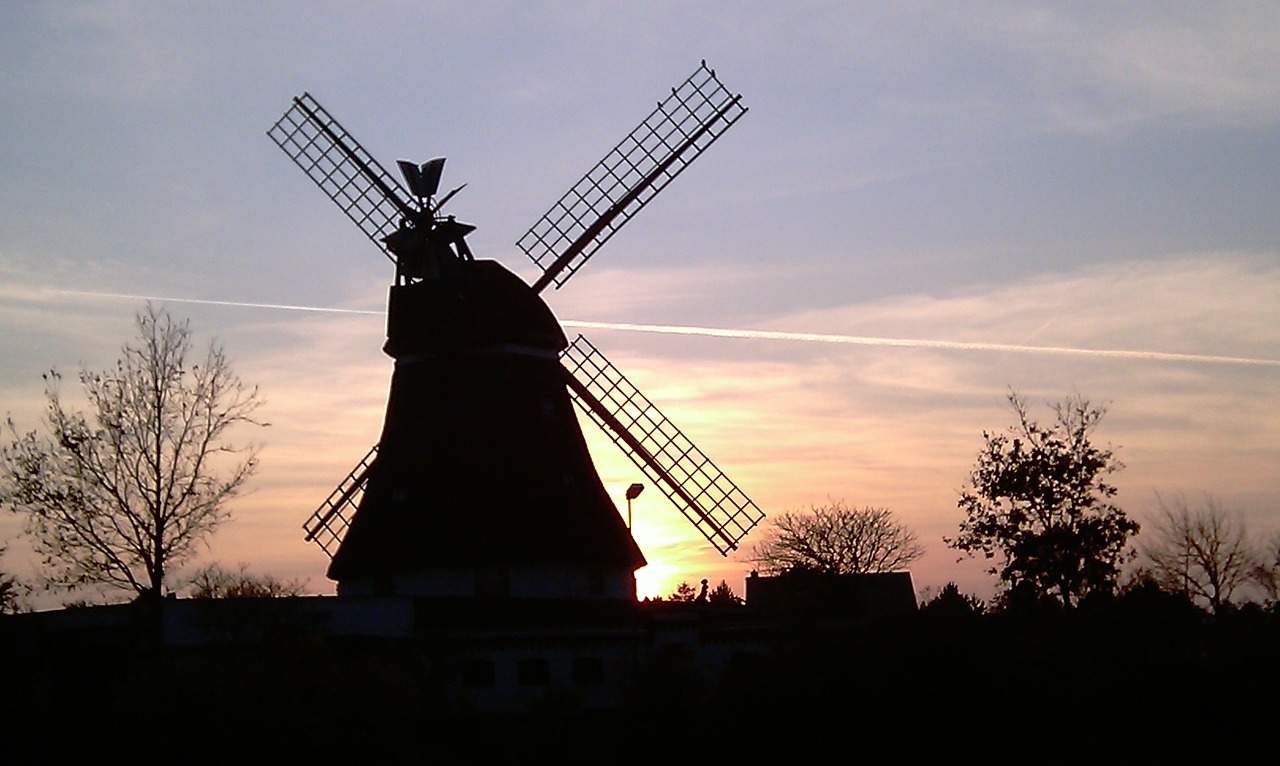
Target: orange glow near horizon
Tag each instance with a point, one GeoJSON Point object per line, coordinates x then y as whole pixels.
{"type": "Point", "coordinates": [794, 424]}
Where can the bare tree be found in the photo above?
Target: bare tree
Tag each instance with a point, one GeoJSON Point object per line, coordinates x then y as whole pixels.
{"type": "Point", "coordinates": [214, 581]}
{"type": "Point", "coordinates": [1266, 573]}
{"type": "Point", "coordinates": [120, 495]}
{"type": "Point", "coordinates": [836, 539]}
{"type": "Point", "coordinates": [1203, 553]}
{"type": "Point", "coordinates": [10, 591]}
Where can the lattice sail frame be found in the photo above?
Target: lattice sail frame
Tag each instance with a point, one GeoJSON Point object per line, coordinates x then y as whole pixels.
{"type": "Point", "coordinates": [688, 121]}
{"type": "Point", "coordinates": [702, 492]}
{"type": "Point", "coordinates": [370, 196]}
{"type": "Point", "coordinates": [328, 525]}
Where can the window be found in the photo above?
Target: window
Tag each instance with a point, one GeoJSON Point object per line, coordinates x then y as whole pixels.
{"type": "Point", "coordinates": [588, 671]}
{"type": "Point", "coordinates": [533, 672]}
{"type": "Point", "coordinates": [493, 583]}
{"type": "Point", "coordinates": [745, 663]}
{"type": "Point", "coordinates": [478, 674]}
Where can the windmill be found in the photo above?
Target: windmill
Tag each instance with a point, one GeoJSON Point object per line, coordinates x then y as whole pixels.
{"type": "Point", "coordinates": [481, 483]}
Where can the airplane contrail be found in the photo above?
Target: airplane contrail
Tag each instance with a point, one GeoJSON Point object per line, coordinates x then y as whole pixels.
{"type": "Point", "coordinates": [238, 304]}
{"type": "Point", "coordinates": [860, 340]}
{"type": "Point", "coordinates": [715, 332]}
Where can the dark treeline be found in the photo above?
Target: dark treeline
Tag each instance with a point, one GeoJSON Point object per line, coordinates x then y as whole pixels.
{"type": "Point", "coordinates": [1137, 675]}
{"type": "Point", "coordinates": [1128, 676]}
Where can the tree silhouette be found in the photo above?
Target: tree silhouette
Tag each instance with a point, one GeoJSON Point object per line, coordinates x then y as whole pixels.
{"type": "Point", "coordinates": [684, 592]}
{"type": "Point", "coordinates": [1203, 553]}
{"type": "Point", "coordinates": [215, 581]}
{"type": "Point", "coordinates": [10, 590]}
{"type": "Point", "coordinates": [723, 595]}
{"type": "Point", "coordinates": [836, 539]}
{"type": "Point", "coordinates": [1039, 500]}
{"type": "Point", "coordinates": [1267, 572]}
{"type": "Point", "coordinates": [120, 495]}
{"type": "Point", "coordinates": [951, 603]}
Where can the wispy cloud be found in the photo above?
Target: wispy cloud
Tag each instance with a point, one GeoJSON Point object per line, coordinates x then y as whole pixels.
{"type": "Point", "coordinates": [1125, 65]}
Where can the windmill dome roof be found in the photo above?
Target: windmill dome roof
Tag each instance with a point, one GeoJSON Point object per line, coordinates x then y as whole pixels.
{"type": "Point", "coordinates": [475, 304]}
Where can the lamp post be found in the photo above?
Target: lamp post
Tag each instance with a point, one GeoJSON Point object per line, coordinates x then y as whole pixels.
{"type": "Point", "coordinates": [632, 493]}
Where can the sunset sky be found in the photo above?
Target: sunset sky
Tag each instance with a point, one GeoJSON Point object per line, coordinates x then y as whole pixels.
{"type": "Point", "coordinates": [928, 204]}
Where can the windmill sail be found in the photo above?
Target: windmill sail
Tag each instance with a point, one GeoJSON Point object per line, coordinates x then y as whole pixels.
{"type": "Point", "coordinates": [369, 195]}
{"type": "Point", "coordinates": [328, 525]}
{"type": "Point", "coordinates": [702, 492]}
{"type": "Point", "coordinates": [696, 113]}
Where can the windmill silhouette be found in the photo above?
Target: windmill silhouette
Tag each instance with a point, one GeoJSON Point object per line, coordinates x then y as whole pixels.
{"type": "Point", "coordinates": [481, 483]}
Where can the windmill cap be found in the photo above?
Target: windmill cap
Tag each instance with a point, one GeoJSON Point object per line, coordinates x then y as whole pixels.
{"type": "Point", "coordinates": [480, 304]}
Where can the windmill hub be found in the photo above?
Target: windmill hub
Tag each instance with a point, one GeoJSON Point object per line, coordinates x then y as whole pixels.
{"type": "Point", "coordinates": [426, 247]}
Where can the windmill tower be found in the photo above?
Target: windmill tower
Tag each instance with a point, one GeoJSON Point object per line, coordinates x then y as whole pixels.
{"type": "Point", "coordinates": [481, 483]}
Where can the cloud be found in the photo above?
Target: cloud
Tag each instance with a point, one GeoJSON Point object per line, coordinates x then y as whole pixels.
{"type": "Point", "coordinates": [1121, 66]}
{"type": "Point", "coordinates": [832, 303]}
{"type": "Point", "coordinates": [115, 51]}
{"type": "Point", "coordinates": [1210, 305]}
{"type": "Point", "coordinates": [1013, 68]}
{"type": "Point", "coordinates": [794, 421]}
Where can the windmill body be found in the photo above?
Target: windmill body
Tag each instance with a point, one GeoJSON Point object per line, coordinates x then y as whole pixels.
{"type": "Point", "coordinates": [481, 484]}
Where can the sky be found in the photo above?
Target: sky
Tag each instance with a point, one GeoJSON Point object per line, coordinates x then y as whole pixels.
{"type": "Point", "coordinates": [928, 205]}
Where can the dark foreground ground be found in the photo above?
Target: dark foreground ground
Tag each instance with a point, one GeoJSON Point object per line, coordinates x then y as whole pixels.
{"type": "Point", "coordinates": [1142, 683]}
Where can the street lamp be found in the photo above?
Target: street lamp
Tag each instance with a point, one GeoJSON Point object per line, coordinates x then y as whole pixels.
{"type": "Point", "coordinates": [632, 493]}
